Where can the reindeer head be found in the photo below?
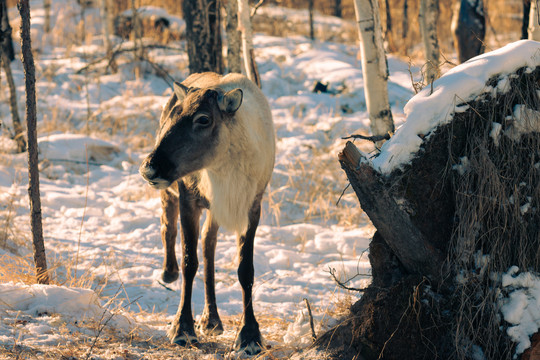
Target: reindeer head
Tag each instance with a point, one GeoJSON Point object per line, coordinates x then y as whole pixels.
{"type": "Point", "coordinates": [193, 129]}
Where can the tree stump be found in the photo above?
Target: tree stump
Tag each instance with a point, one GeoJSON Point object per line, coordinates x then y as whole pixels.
{"type": "Point", "coordinates": [466, 208]}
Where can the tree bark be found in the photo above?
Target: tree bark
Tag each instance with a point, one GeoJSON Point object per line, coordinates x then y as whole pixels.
{"type": "Point", "coordinates": [374, 66]}
{"type": "Point", "coordinates": [337, 8]}
{"type": "Point", "coordinates": [203, 33]}
{"type": "Point", "coordinates": [469, 29]}
{"type": "Point", "coordinates": [534, 21]}
{"type": "Point", "coordinates": [244, 22]}
{"type": "Point", "coordinates": [40, 259]}
{"type": "Point", "coordinates": [234, 62]}
{"type": "Point", "coordinates": [428, 17]}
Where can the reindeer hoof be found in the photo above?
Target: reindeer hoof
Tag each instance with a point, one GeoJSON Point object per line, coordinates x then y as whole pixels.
{"type": "Point", "coordinates": [185, 340]}
{"type": "Point", "coordinates": [169, 277]}
{"type": "Point", "coordinates": [249, 340]}
{"type": "Point", "coordinates": [210, 324]}
{"type": "Point", "coordinates": [210, 327]}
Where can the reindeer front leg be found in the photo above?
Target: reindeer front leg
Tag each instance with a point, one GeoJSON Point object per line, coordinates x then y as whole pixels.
{"type": "Point", "coordinates": [249, 339]}
{"type": "Point", "coordinates": [169, 224]}
{"type": "Point", "coordinates": [182, 331]}
{"type": "Point", "coordinates": [210, 323]}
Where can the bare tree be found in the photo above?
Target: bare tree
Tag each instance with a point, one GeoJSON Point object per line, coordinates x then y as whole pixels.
{"type": "Point", "coordinates": [106, 25]}
{"type": "Point", "coordinates": [534, 21]}
{"type": "Point", "coordinates": [6, 56]}
{"type": "Point", "coordinates": [374, 66]}
{"type": "Point", "coordinates": [311, 29]}
{"type": "Point", "coordinates": [47, 9]}
{"type": "Point", "coordinates": [405, 20]}
{"type": "Point", "coordinates": [244, 19]}
{"type": "Point", "coordinates": [525, 19]}
{"type": "Point", "coordinates": [337, 8]}
{"type": "Point", "coordinates": [40, 259]}
{"type": "Point", "coordinates": [203, 32]}
{"type": "Point", "coordinates": [428, 17]}
{"type": "Point", "coordinates": [469, 29]}
{"type": "Point", "coordinates": [234, 62]}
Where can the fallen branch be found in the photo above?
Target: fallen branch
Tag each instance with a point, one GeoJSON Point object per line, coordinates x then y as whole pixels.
{"type": "Point", "coordinates": [374, 138]}
{"type": "Point", "coordinates": [342, 285]}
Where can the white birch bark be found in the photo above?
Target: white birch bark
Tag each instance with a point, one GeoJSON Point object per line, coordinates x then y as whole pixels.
{"type": "Point", "coordinates": [534, 21]}
{"type": "Point", "coordinates": [374, 66]}
{"type": "Point", "coordinates": [244, 25]}
{"type": "Point", "coordinates": [428, 16]}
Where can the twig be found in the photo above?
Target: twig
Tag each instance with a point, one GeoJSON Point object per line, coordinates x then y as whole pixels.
{"type": "Point", "coordinates": [342, 193]}
{"type": "Point", "coordinates": [256, 7]}
{"type": "Point", "coordinates": [341, 284]}
{"type": "Point", "coordinates": [84, 210]}
{"type": "Point", "coordinates": [313, 335]}
{"type": "Point", "coordinates": [374, 138]}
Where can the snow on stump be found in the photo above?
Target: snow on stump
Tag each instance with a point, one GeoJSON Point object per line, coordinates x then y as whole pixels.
{"type": "Point", "coordinates": [455, 198]}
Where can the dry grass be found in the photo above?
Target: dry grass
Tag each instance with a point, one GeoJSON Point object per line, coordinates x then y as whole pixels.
{"type": "Point", "coordinates": [494, 230]}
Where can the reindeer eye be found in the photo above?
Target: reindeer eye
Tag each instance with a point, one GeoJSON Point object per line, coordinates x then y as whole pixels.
{"type": "Point", "coordinates": [202, 120]}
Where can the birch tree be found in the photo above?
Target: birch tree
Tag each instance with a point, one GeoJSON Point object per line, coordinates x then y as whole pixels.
{"type": "Point", "coordinates": [244, 24]}
{"type": "Point", "coordinates": [534, 21]}
{"type": "Point", "coordinates": [374, 66]}
{"type": "Point", "coordinates": [40, 259]}
{"type": "Point", "coordinates": [428, 17]}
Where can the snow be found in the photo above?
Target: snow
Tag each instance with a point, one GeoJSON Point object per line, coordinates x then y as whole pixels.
{"type": "Point", "coordinates": [101, 221]}
{"type": "Point", "coordinates": [521, 307]}
{"type": "Point", "coordinates": [431, 108]}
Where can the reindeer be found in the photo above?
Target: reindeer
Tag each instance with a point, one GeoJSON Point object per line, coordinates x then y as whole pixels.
{"type": "Point", "coordinates": [215, 150]}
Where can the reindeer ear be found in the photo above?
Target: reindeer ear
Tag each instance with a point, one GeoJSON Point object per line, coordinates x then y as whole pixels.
{"type": "Point", "coordinates": [230, 101]}
{"type": "Point", "coordinates": [180, 90]}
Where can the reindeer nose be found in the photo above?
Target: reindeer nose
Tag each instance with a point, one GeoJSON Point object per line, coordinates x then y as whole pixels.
{"type": "Point", "coordinates": [147, 171]}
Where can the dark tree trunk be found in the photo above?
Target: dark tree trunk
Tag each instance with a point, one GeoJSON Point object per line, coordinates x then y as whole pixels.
{"type": "Point", "coordinates": [203, 33]}
{"type": "Point", "coordinates": [525, 20]}
{"type": "Point", "coordinates": [6, 42]}
{"type": "Point", "coordinates": [405, 20]}
{"type": "Point", "coordinates": [311, 30]}
{"type": "Point", "coordinates": [40, 259]}
{"type": "Point", "coordinates": [469, 29]}
{"type": "Point", "coordinates": [6, 56]}
{"type": "Point", "coordinates": [337, 8]}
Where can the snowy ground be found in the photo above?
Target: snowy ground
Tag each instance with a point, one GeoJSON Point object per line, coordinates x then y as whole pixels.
{"type": "Point", "coordinates": [101, 222]}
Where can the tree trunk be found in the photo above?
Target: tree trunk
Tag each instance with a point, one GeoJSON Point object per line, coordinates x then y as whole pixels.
{"type": "Point", "coordinates": [6, 42]}
{"type": "Point", "coordinates": [203, 33]}
{"type": "Point", "coordinates": [534, 21]}
{"type": "Point", "coordinates": [311, 29]}
{"type": "Point", "coordinates": [428, 17]}
{"type": "Point", "coordinates": [469, 29]}
{"type": "Point", "coordinates": [234, 62]}
{"type": "Point", "coordinates": [106, 16]}
{"type": "Point", "coordinates": [6, 56]}
{"type": "Point", "coordinates": [525, 19]}
{"type": "Point", "coordinates": [337, 8]}
{"type": "Point", "coordinates": [405, 20]}
{"type": "Point", "coordinates": [244, 20]}
{"type": "Point", "coordinates": [47, 9]}
{"type": "Point", "coordinates": [40, 259]}
{"type": "Point", "coordinates": [374, 66]}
